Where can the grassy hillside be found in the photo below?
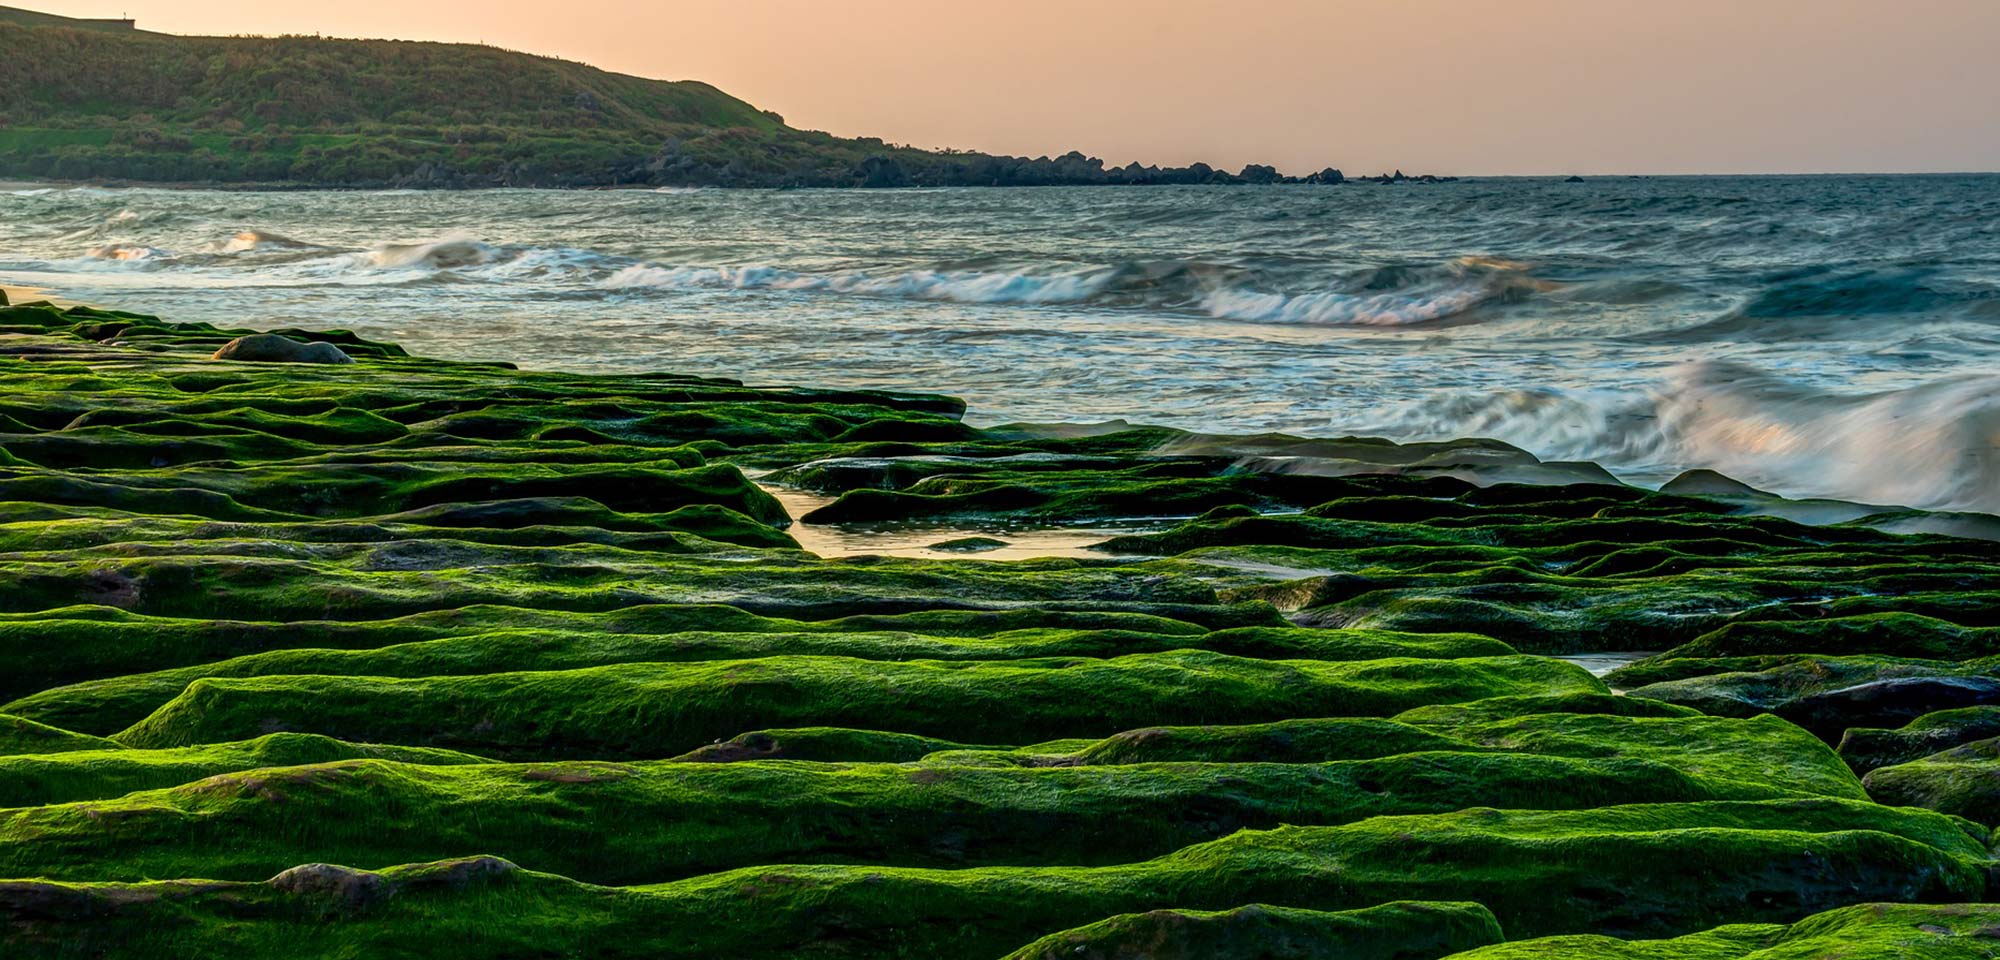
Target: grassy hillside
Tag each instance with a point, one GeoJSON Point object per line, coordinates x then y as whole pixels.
{"type": "Point", "coordinates": [84, 103]}
{"type": "Point", "coordinates": [31, 18]}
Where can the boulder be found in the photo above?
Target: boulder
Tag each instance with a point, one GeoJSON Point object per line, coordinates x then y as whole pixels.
{"type": "Point", "coordinates": [272, 348]}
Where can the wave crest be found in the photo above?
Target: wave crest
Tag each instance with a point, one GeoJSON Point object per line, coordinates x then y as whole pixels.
{"type": "Point", "coordinates": [1935, 445]}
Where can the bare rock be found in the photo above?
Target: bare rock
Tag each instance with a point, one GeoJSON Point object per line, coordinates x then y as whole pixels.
{"type": "Point", "coordinates": [272, 348]}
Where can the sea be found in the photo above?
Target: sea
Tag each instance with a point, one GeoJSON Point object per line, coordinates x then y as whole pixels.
{"type": "Point", "coordinates": [1825, 336]}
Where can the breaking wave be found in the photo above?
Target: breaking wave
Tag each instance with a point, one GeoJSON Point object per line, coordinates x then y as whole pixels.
{"type": "Point", "coordinates": [962, 286]}
{"type": "Point", "coordinates": [1935, 445]}
{"type": "Point", "coordinates": [1381, 296]}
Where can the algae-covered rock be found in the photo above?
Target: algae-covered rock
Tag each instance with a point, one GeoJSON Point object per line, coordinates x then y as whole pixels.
{"type": "Point", "coordinates": [1963, 781]}
{"type": "Point", "coordinates": [1393, 931]}
{"type": "Point", "coordinates": [1645, 871]}
{"type": "Point", "coordinates": [108, 770]}
{"type": "Point", "coordinates": [680, 819]}
{"type": "Point", "coordinates": [1866, 748]}
{"type": "Point", "coordinates": [272, 348]}
{"type": "Point", "coordinates": [282, 627]}
{"type": "Point", "coordinates": [19, 735]}
{"type": "Point", "coordinates": [1869, 931]}
{"type": "Point", "coordinates": [664, 709]}
{"type": "Point", "coordinates": [111, 704]}
{"type": "Point", "coordinates": [1827, 695]}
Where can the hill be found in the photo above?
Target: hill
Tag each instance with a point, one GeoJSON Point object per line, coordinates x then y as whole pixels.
{"type": "Point", "coordinates": [80, 101]}
{"type": "Point", "coordinates": [31, 18]}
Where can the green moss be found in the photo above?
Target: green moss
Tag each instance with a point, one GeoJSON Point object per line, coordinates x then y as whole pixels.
{"type": "Point", "coordinates": [1889, 634]}
{"type": "Point", "coordinates": [21, 735]}
{"type": "Point", "coordinates": [107, 771]}
{"type": "Point", "coordinates": [1393, 931]}
{"type": "Point", "coordinates": [1827, 695]}
{"type": "Point", "coordinates": [1962, 781]}
{"type": "Point", "coordinates": [1866, 748]}
{"type": "Point", "coordinates": [68, 645]}
{"type": "Point", "coordinates": [115, 703]}
{"type": "Point", "coordinates": [228, 567]}
{"type": "Point", "coordinates": [1629, 871]}
{"type": "Point", "coordinates": [661, 710]}
{"type": "Point", "coordinates": [1874, 931]}
{"type": "Point", "coordinates": [679, 820]}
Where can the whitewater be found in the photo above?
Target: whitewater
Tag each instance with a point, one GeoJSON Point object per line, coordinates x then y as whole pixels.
{"type": "Point", "coordinates": [1815, 336]}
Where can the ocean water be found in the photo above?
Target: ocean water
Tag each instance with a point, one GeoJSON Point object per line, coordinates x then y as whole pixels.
{"type": "Point", "coordinates": [1823, 336]}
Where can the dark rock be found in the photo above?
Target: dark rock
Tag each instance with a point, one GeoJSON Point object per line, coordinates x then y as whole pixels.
{"type": "Point", "coordinates": [1889, 702]}
{"type": "Point", "coordinates": [970, 545]}
{"type": "Point", "coordinates": [1573, 179]}
{"type": "Point", "coordinates": [341, 886]}
{"type": "Point", "coordinates": [272, 348]}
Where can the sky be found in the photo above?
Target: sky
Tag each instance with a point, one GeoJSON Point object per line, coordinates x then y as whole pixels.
{"type": "Point", "coordinates": [1428, 86]}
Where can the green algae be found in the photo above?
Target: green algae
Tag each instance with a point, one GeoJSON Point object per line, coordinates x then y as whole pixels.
{"type": "Point", "coordinates": [1653, 870]}
{"type": "Point", "coordinates": [1392, 931]}
{"type": "Point", "coordinates": [1887, 634]}
{"type": "Point", "coordinates": [1871, 931]}
{"type": "Point", "coordinates": [679, 820]}
{"type": "Point", "coordinates": [22, 735]}
{"type": "Point", "coordinates": [110, 771]}
{"type": "Point", "coordinates": [73, 644]}
{"type": "Point", "coordinates": [1866, 748]}
{"type": "Point", "coordinates": [661, 709]}
{"type": "Point", "coordinates": [1962, 781]}
{"type": "Point", "coordinates": [227, 567]}
{"type": "Point", "coordinates": [1828, 695]}
{"type": "Point", "coordinates": [115, 703]}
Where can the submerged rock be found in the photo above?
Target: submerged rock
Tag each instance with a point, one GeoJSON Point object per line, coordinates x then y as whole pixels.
{"type": "Point", "coordinates": [970, 545]}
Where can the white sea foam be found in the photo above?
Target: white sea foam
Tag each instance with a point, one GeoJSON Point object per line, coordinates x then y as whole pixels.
{"type": "Point", "coordinates": [1382, 309]}
{"type": "Point", "coordinates": [961, 286]}
{"type": "Point", "coordinates": [1936, 445]}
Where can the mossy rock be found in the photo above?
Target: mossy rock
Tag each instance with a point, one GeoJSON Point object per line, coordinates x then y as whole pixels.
{"type": "Point", "coordinates": [1963, 781]}
{"type": "Point", "coordinates": [1646, 871]}
{"type": "Point", "coordinates": [640, 710]}
{"type": "Point", "coordinates": [1867, 748]}
{"type": "Point", "coordinates": [1393, 931]}
{"type": "Point", "coordinates": [1869, 931]}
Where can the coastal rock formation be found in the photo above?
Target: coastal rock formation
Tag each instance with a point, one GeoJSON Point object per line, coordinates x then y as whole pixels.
{"type": "Point", "coordinates": [440, 658]}
{"type": "Point", "coordinates": [1396, 931]}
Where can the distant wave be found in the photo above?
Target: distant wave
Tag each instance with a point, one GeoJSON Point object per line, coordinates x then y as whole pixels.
{"type": "Point", "coordinates": [247, 241]}
{"type": "Point", "coordinates": [1817, 301]}
{"type": "Point", "coordinates": [1378, 296]}
{"type": "Point", "coordinates": [962, 286]}
{"type": "Point", "coordinates": [1936, 445]}
{"type": "Point", "coordinates": [125, 251]}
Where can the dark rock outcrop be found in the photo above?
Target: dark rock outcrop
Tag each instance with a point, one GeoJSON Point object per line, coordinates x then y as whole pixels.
{"type": "Point", "coordinates": [272, 348]}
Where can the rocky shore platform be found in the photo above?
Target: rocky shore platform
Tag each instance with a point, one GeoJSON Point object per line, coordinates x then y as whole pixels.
{"type": "Point", "coordinates": [400, 657]}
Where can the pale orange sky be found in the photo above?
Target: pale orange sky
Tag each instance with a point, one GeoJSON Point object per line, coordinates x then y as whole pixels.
{"type": "Point", "coordinates": [1474, 87]}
